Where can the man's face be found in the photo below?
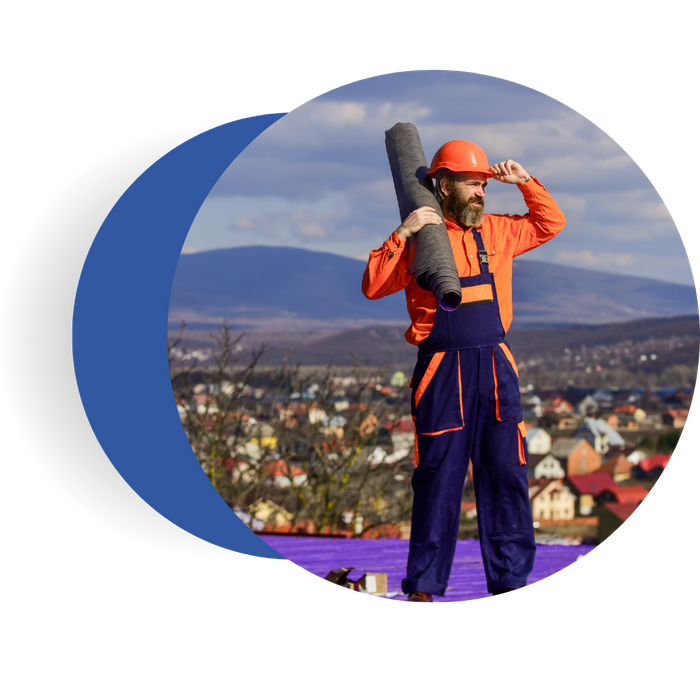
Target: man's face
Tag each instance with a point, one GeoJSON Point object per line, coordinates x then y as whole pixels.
{"type": "Point", "coordinates": [465, 199]}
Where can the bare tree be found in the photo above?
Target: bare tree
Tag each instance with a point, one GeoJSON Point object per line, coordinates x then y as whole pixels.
{"type": "Point", "coordinates": [353, 477]}
{"type": "Point", "coordinates": [315, 445]}
{"type": "Point", "coordinates": [212, 406]}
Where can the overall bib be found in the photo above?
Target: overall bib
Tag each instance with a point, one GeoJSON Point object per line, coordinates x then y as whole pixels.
{"type": "Point", "coordinates": [466, 406]}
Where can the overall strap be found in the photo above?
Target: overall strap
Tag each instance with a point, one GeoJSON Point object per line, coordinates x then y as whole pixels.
{"type": "Point", "coordinates": [481, 248]}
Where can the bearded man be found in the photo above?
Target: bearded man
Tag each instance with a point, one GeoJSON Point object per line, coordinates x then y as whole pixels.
{"type": "Point", "coordinates": [465, 399]}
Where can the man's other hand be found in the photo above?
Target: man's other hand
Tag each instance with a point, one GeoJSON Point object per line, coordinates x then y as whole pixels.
{"type": "Point", "coordinates": [416, 220]}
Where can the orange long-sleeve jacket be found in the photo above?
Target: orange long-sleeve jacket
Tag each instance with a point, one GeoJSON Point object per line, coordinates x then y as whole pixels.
{"type": "Point", "coordinates": [504, 236]}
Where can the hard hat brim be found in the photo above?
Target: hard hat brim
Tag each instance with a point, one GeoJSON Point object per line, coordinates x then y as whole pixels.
{"type": "Point", "coordinates": [451, 167]}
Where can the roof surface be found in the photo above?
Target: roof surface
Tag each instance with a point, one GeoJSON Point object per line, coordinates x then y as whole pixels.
{"type": "Point", "coordinates": [622, 511]}
{"type": "Point", "coordinates": [563, 447]}
{"type": "Point", "coordinates": [593, 484]}
{"type": "Point", "coordinates": [320, 555]}
{"type": "Point", "coordinates": [653, 462]}
{"type": "Point", "coordinates": [630, 494]}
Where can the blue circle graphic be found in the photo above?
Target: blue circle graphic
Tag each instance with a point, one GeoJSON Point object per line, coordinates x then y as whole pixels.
{"type": "Point", "coordinates": [124, 293]}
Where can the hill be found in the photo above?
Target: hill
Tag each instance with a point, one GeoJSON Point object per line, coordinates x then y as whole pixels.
{"type": "Point", "coordinates": [268, 287]}
{"type": "Point", "coordinates": [674, 341]}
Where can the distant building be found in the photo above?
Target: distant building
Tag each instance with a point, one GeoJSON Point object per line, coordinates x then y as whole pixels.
{"type": "Point", "coordinates": [603, 397]}
{"type": "Point", "coordinates": [651, 467]}
{"type": "Point", "coordinates": [588, 488]}
{"type": "Point", "coordinates": [576, 455]}
{"type": "Point", "coordinates": [588, 406]}
{"type": "Point", "coordinates": [611, 516]}
{"type": "Point", "coordinates": [267, 511]}
{"type": "Point", "coordinates": [552, 501]}
{"type": "Point", "coordinates": [623, 494]}
{"type": "Point", "coordinates": [617, 465]}
{"type": "Point", "coordinates": [600, 435]}
{"type": "Point", "coordinates": [612, 419]}
{"type": "Point", "coordinates": [676, 417]}
{"type": "Point", "coordinates": [539, 441]}
{"type": "Point", "coordinates": [284, 474]}
{"type": "Point", "coordinates": [544, 467]}
{"type": "Point", "coordinates": [636, 456]}
{"type": "Point", "coordinates": [535, 405]}
{"type": "Point", "coordinates": [632, 412]}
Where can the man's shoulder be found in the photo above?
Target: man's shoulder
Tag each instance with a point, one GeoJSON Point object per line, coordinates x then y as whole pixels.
{"type": "Point", "coordinates": [497, 225]}
{"type": "Point", "coordinates": [497, 218]}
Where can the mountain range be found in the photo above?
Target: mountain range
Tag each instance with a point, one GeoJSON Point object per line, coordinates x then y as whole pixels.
{"type": "Point", "coordinates": [260, 287]}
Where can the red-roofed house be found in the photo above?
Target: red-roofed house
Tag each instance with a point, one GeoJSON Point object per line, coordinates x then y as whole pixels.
{"type": "Point", "coordinates": [618, 466]}
{"type": "Point", "coordinates": [612, 515]}
{"type": "Point", "coordinates": [588, 487]}
{"type": "Point", "coordinates": [612, 419]}
{"type": "Point", "coordinates": [676, 417]}
{"type": "Point", "coordinates": [634, 412]}
{"type": "Point", "coordinates": [624, 494]}
{"type": "Point", "coordinates": [560, 412]}
{"type": "Point", "coordinates": [651, 467]}
{"type": "Point", "coordinates": [284, 474]}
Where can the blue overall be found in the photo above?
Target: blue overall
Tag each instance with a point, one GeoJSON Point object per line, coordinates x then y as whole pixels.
{"type": "Point", "coordinates": [466, 406]}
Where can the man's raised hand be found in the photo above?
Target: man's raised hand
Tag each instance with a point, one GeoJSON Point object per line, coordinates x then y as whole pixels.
{"type": "Point", "coordinates": [510, 172]}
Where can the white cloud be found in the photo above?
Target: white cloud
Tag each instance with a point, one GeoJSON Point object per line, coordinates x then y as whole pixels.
{"type": "Point", "coordinates": [638, 205]}
{"type": "Point", "coordinates": [309, 229]}
{"type": "Point", "coordinates": [243, 222]}
{"type": "Point", "coordinates": [587, 258]}
{"type": "Point", "coordinates": [320, 177]}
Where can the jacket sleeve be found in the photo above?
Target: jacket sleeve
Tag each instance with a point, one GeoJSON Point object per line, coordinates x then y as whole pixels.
{"type": "Point", "coordinates": [387, 269]}
{"type": "Point", "coordinates": [543, 221]}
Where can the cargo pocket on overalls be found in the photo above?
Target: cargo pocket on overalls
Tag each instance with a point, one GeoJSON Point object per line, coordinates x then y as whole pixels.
{"type": "Point", "coordinates": [505, 377]}
{"type": "Point", "coordinates": [436, 401]}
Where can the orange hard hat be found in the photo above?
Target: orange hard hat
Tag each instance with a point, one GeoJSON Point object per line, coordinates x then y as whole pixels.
{"type": "Point", "coordinates": [460, 157]}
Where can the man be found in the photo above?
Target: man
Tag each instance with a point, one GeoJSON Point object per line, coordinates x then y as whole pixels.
{"type": "Point", "coordinates": [465, 400]}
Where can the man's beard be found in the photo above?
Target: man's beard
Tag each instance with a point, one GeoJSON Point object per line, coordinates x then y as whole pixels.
{"type": "Point", "coordinates": [461, 209]}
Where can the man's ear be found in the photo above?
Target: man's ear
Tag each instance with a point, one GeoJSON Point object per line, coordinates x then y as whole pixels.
{"type": "Point", "coordinates": [444, 185]}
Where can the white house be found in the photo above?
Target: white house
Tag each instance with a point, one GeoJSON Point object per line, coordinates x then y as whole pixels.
{"type": "Point", "coordinates": [600, 435]}
{"type": "Point", "coordinates": [588, 406]}
{"type": "Point", "coordinates": [553, 501]}
{"type": "Point", "coordinates": [545, 467]}
{"type": "Point", "coordinates": [539, 441]}
{"type": "Point", "coordinates": [637, 456]}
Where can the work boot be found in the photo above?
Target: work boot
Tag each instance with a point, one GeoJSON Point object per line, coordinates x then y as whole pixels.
{"type": "Point", "coordinates": [420, 597]}
{"type": "Point", "coordinates": [503, 590]}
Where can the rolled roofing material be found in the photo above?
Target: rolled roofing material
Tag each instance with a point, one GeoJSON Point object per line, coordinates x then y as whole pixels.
{"type": "Point", "coordinates": [430, 253]}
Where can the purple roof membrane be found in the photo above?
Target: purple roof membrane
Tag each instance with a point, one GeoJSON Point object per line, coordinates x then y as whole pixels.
{"type": "Point", "coordinates": [319, 555]}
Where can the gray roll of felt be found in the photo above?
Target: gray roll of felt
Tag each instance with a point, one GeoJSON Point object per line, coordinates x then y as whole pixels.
{"type": "Point", "coordinates": [429, 250]}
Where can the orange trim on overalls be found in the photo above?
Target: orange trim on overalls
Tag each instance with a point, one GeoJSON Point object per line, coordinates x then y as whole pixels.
{"type": "Point", "coordinates": [429, 374]}
{"type": "Point", "coordinates": [476, 294]}
{"type": "Point", "coordinates": [461, 404]}
{"type": "Point", "coordinates": [509, 355]}
{"type": "Point", "coordinates": [522, 432]}
{"type": "Point", "coordinates": [495, 385]}
{"type": "Point", "coordinates": [415, 435]}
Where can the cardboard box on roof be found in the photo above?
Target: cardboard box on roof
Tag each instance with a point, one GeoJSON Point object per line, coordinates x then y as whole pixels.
{"type": "Point", "coordinates": [370, 582]}
{"type": "Point", "coordinates": [340, 576]}
{"type": "Point", "coordinates": [374, 583]}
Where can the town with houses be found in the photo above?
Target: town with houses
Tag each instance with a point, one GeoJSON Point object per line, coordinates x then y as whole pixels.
{"type": "Point", "coordinates": [594, 454]}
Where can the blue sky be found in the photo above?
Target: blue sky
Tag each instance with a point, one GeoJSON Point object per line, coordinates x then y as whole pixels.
{"type": "Point", "coordinates": [319, 178]}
